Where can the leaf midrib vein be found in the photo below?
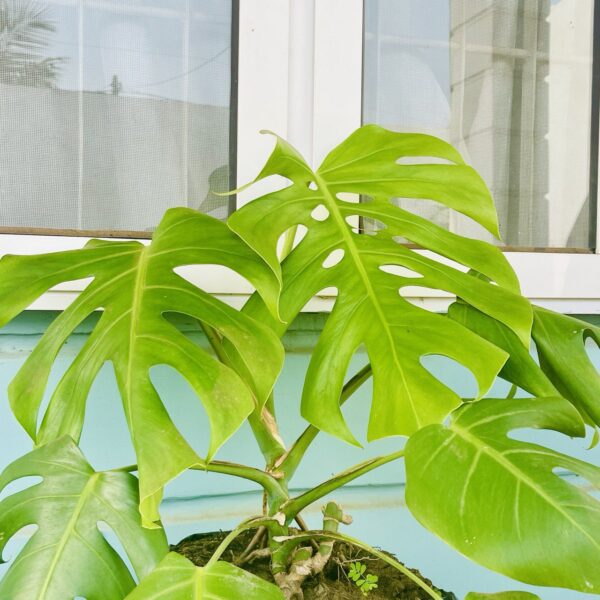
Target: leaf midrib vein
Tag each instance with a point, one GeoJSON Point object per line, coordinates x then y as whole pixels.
{"type": "Point", "coordinates": [332, 206]}
{"type": "Point", "coordinates": [497, 456]}
{"type": "Point", "coordinates": [69, 529]}
{"type": "Point", "coordinates": [136, 303]}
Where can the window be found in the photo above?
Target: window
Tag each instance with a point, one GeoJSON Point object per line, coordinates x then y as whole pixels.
{"type": "Point", "coordinates": [510, 85]}
{"type": "Point", "coordinates": [114, 111]}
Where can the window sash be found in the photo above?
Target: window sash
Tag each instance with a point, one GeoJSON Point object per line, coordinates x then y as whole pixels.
{"type": "Point", "coordinates": [563, 280]}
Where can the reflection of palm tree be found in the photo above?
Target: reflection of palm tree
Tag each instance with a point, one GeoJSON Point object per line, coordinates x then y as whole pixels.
{"type": "Point", "coordinates": [24, 34]}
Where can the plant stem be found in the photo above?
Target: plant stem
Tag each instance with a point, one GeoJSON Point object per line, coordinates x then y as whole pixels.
{"type": "Point", "coordinates": [340, 537]}
{"type": "Point", "coordinates": [262, 422]}
{"type": "Point", "coordinates": [304, 527]}
{"type": "Point", "coordinates": [260, 532]}
{"type": "Point", "coordinates": [216, 342]}
{"type": "Point", "coordinates": [294, 456]}
{"type": "Point", "coordinates": [272, 486]}
{"type": "Point", "coordinates": [127, 469]}
{"type": "Point", "coordinates": [294, 505]}
{"type": "Point", "coordinates": [248, 524]}
{"type": "Point", "coordinates": [288, 242]}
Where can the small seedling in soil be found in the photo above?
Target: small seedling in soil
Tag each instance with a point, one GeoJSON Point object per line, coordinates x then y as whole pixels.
{"type": "Point", "coordinates": [364, 581]}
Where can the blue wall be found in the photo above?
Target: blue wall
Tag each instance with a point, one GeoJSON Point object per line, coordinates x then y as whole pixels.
{"type": "Point", "coordinates": [205, 501]}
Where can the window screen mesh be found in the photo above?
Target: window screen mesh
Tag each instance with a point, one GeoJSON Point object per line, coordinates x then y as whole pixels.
{"type": "Point", "coordinates": [509, 84]}
{"type": "Point", "coordinates": [112, 111]}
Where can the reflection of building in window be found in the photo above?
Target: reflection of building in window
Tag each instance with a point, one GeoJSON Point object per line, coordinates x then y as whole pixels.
{"type": "Point", "coordinates": [520, 112]}
{"type": "Point", "coordinates": [508, 83]}
{"type": "Point", "coordinates": [131, 160]}
{"type": "Point", "coordinates": [499, 65]}
{"type": "Point", "coordinates": [134, 123]}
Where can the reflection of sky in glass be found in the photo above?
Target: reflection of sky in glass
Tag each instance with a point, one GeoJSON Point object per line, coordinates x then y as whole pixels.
{"type": "Point", "coordinates": [167, 49]}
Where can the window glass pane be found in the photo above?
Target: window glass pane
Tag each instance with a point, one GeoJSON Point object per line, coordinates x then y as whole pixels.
{"type": "Point", "coordinates": [113, 111]}
{"type": "Point", "coordinates": [509, 84]}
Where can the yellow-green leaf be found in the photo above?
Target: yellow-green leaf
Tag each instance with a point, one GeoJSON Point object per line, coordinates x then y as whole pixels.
{"type": "Point", "coordinates": [176, 578]}
{"type": "Point", "coordinates": [135, 286]}
{"type": "Point", "coordinates": [500, 501]}
{"type": "Point", "coordinates": [68, 556]}
{"type": "Point", "coordinates": [370, 309]}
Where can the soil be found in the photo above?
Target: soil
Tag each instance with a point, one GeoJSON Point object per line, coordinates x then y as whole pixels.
{"type": "Point", "coordinates": [332, 584]}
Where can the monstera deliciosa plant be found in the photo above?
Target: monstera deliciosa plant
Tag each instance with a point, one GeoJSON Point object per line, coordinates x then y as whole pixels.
{"type": "Point", "coordinates": [503, 505]}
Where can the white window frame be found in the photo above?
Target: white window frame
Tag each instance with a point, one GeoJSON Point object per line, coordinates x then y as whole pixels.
{"type": "Point", "coordinates": [300, 75]}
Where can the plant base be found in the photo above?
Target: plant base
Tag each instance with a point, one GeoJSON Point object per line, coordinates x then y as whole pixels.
{"type": "Point", "coordinates": [333, 583]}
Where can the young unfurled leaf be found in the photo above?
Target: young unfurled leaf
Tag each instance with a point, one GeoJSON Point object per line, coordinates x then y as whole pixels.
{"type": "Point", "coordinates": [560, 342]}
{"type": "Point", "coordinates": [68, 556]}
{"type": "Point", "coordinates": [135, 286]}
{"type": "Point", "coordinates": [176, 578]}
{"type": "Point", "coordinates": [370, 309]}
{"type": "Point", "coordinates": [499, 501]}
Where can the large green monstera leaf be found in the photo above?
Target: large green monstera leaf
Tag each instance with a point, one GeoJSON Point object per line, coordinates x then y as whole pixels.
{"type": "Point", "coordinates": [565, 367]}
{"type": "Point", "coordinates": [500, 501]}
{"type": "Point", "coordinates": [135, 286]}
{"type": "Point", "coordinates": [68, 556]}
{"type": "Point", "coordinates": [176, 578]}
{"type": "Point", "coordinates": [370, 309]}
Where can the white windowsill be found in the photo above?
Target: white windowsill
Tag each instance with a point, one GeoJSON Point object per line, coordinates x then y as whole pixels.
{"type": "Point", "coordinates": [568, 283]}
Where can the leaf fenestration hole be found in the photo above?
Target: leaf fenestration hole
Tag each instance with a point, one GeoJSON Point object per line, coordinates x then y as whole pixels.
{"type": "Point", "coordinates": [312, 186]}
{"type": "Point", "coordinates": [213, 278]}
{"type": "Point", "coordinates": [328, 291]}
{"type": "Point", "coordinates": [112, 539]}
{"type": "Point", "coordinates": [315, 304]}
{"type": "Point", "coordinates": [320, 213]}
{"type": "Point", "coordinates": [22, 483]}
{"type": "Point", "coordinates": [182, 405]}
{"type": "Point", "coordinates": [400, 271]}
{"type": "Point", "coordinates": [575, 479]}
{"type": "Point", "coordinates": [374, 226]}
{"type": "Point", "coordinates": [301, 232]}
{"type": "Point", "coordinates": [423, 160]}
{"type": "Point", "coordinates": [452, 374]}
{"type": "Point", "coordinates": [17, 541]}
{"type": "Point", "coordinates": [414, 291]}
{"type": "Point", "coordinates": [269, 184]}
{"type": "Point", "coordinates": [353, 221]}
{"type": "Point", "coordinates": [334, 258]}
{"type": "Point", "coordinates": [70, 286]}
{"type": "Point", "coordinates": [592, 348]}
{"type": "Point", "coordinates": [421, 296]}
{"type": "Point", "coordinates": [552, 440]}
